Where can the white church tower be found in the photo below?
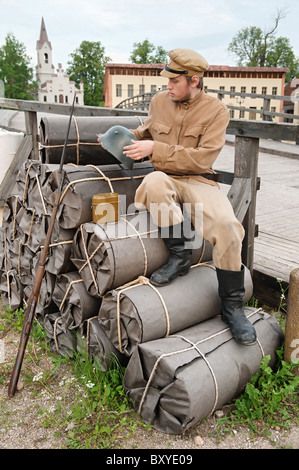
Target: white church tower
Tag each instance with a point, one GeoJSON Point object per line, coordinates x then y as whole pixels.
{"type": "Point", "coordinates": [53, 87]}
{"type": "Point", "coordinates": [44, 69]}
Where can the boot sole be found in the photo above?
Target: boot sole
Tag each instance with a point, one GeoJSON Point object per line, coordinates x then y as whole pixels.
{"type": "Point", "coordinates": [156, 284]}
{"type": "Point", "coordinates": [252, 343]}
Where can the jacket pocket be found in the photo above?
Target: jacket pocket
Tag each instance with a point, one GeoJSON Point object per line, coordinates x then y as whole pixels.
{"type": "Point", "coordinates": [161, 128]}
{"type": "Point", "coordinates": [193, 135]}
{"type": "Point", "coordinates": [195, 131]}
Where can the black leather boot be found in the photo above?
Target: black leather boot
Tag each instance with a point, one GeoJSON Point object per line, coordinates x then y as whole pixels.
{"type": "Point", "coordinates": [179, 261]}
{"type": "Point", "coordinates": [231, 292]}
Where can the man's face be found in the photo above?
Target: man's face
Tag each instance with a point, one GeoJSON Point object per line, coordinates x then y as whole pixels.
{"type": "Point", "coordinates": [179, 89]}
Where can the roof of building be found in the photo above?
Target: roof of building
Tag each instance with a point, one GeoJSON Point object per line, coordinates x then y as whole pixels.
{"type": "Point", "coordinates": [219, 68]}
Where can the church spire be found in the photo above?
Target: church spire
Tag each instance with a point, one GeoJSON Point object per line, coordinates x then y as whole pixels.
{"type": "Point", "coordinates": [43, 37]}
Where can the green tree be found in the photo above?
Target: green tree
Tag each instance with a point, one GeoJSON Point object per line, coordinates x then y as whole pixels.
{"type": "Point", "coordinates": [254, 47]}
{"type": "Point", "coordinates": [88, 64]}
{"type": "Point", "coordinates": [146, 53]}
{"type": "Point", "coordinates": [15, 70]}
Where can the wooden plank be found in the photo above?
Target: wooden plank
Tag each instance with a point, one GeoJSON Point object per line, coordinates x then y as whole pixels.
{"type": "Point", "coordinates": [240, 197]}
{"type": "Point", "coordinates": [246, 163]}
{"type": "Point", "coordinates": [241, 127]}
{"type": "Point", "coordinates": [266, 289]}
{"type": "Point", "coordinates": [264, 130]}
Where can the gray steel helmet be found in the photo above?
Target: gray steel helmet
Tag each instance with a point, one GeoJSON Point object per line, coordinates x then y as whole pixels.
{"type": "Point", "coordinates": [115, 139]}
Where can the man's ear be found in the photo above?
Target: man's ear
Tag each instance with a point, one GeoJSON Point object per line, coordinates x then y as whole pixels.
{"type": "Point", "coordinates": [195, 81]}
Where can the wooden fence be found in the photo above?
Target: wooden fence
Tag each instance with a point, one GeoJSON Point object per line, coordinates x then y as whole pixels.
{"type": "Point", "coordinates": [244, 182]}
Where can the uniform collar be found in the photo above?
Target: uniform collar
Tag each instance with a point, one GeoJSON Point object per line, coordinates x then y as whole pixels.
{"type": "Point", "coordinates": [188, 103]}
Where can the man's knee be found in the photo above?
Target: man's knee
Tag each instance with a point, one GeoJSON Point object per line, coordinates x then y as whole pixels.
{"type": "Point", "coordinates": [154, 187]}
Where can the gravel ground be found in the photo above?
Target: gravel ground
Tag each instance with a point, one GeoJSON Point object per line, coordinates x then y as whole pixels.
{"type": "Point", "coordinates": [22, 418]}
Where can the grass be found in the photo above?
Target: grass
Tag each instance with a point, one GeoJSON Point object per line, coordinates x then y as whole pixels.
{"type": "Point", "coordinates": [98, 415]}
{"type": "Point", "coordinates": [89, 405]}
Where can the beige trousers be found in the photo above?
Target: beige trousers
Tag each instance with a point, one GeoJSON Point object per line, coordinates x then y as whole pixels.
{"type": "Point", "coordinates": [168, 198]}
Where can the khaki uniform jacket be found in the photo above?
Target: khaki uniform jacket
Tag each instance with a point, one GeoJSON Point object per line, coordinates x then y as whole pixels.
{"type": "Point", "coordinates": [188, 136]}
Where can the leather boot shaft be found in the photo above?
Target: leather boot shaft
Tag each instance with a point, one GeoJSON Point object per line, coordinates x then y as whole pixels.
{"type": "Point", "coordinates": [179, 261]}
{"type": "Point", "coordinates": [231, 291]}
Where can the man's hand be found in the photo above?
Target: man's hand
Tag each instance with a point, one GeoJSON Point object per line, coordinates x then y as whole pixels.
{"type": "Point", "coordinates": [139, 149]}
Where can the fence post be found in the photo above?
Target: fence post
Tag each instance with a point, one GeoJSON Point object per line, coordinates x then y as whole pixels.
{"type": "Point", "coordinates": [246, 164]}
{"type": "Point", "coordinates": [266, 107]}
{"type": "Point", "coordinates": [291, 347]}
{"type": "Point", "coordinates": [31, 129]}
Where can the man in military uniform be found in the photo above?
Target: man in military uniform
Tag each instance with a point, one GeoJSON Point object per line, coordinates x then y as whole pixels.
{"type": "Point", "coordinates": [183, 135]}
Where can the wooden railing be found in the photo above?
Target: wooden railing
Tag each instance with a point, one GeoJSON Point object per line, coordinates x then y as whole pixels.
{"type": "Point", "coordinates": [243, 182]}
{"type": "Point", "coordinates": [142, 102]}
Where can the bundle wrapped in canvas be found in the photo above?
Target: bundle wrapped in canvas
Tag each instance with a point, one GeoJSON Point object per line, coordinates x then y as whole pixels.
{"type": "Point", "coordinates": [96, 345]}
{"type": "Point", "coordinates": [83, 182]}
{"type": "Point", "coordinates": [82, 147]}
{"type": "Point", "coordinates": [62, 340]}
{"type": "Point", "coordinates": [103, 252]}
{"type": "Point", "coordinates": [72, 299]}
{"type": "Point", "coordinates": [175, 382]}
{"type": "Point", "coordinates": [140, 312]}
{"type": "Point", "coordinates": [11, 289]}
{"type": "Point", "coordinates": [31, 182]}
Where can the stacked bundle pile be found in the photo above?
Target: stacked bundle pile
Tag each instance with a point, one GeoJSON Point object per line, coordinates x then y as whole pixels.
{"type": "Point", "coordinates": [181, 361]}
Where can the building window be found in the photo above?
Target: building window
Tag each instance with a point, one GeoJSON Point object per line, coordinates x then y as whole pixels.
{"type": "Point", "coordinates": [253, 90]}
{"type": "Point", "coordinates": [222, 88]}
{"type": "Point", "coordinates": [274, 90]}
{"type": "Point", "coordinates": [232, 113]}
{"type": "Point", "coordinates": [264, 90]}
{"type": "Point", "coordinates": [46, 58]}
{"type": "Point", "coordinates": [153, 88]}
{"type": "Point", "coordinates": [130, 91]}
{"type": "Point", "coordinates": [242, 114]}
{"type": "Point", "coordinates": [141, 89]}
{"type": "Point", "coordinates": [55, 98]}
{"type": "Point", "coordinates": [232, 88]}
{"type": "Point", "coordinates": [118, 90]}
{"type": "Point", "coordinates": [45, 98]}
{"type": "Point", "coordinates": [164, 87]}
{"type": "Point", "coordinates": [243, 89]}
{"type": "Point", "coordinates": [66, 99]}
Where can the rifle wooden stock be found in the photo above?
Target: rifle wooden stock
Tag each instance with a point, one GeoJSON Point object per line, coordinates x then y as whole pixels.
{"type": "Point", "coordinates": [33, 299]}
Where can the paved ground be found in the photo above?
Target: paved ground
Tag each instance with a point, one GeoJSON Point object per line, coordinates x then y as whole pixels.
{"type": "Point", "coordinates": [277, 211]}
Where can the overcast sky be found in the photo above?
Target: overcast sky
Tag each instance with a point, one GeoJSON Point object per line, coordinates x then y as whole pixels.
{"type": "Point", "coordinates": [205, 26]}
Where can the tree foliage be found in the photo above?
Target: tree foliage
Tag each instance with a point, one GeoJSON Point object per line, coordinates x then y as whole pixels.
{"type": "Point", "coordinates": [254, 47]}
{"type": "Point", "coordinates": [146, 53]}
{"type": "Point", "coordinates": [15, 70]}
{"type": "Point", "coordinates": [88, 64]}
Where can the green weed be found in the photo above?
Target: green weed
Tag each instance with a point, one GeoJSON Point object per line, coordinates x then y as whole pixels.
{"type": "Point", "coordinates": [270, 399]}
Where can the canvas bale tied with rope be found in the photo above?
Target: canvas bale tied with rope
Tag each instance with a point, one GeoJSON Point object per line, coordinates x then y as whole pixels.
{"type": "Point", "coordinates": [82, 182]}
{"type": "Point", "coordinates": [83, 147]}
{"type": "Point", "coordinates": [74, 303]}
{"type": "Point", "coordinates": [140, 312]}
{"type": "Point", "coordinates": [177, 381]}
{"type": "Point", "coordinates": [103, 252]}
{"type": "Point", "coordinates": [92, 342]}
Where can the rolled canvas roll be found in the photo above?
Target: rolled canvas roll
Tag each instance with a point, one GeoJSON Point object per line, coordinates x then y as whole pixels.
{"type": "Point", "coordinates": [81, 183]}
{"type": "Point", "coordinates": [177, 381]}
{"type": "Point", "coordinates": [141, 312]}
{"type": "Point", "coordinates": [83, 147]}
{"type": "Point", "coordinates": [98, 347]}
{"type": "Point", "coordinates": [110, 255]}
{"type": "Point", "coordinates": [73, 300]}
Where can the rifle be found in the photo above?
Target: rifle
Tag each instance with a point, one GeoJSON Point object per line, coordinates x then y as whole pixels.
{"type": "Point", "coordinates": [33, 299]}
